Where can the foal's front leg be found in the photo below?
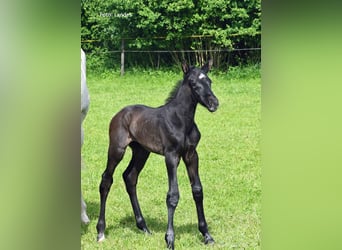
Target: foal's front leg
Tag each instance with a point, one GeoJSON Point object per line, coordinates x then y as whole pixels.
{"type": "Point", "coordinates": [172, 161]}
{"type": "Point", "coordinates": [190, 159]}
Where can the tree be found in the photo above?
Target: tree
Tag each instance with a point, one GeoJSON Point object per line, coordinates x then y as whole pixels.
{"type": "Point", "coordinates": [173, 25]}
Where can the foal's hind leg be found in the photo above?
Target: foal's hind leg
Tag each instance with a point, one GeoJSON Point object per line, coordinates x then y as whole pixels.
{"type": "Point", "coordinates": [130, 176]}
{"type": "Point", "coordinates": [115, 154]}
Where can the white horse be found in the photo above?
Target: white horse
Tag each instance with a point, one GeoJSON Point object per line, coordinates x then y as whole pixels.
{"type": "Point", "coordinates": [84, 110]}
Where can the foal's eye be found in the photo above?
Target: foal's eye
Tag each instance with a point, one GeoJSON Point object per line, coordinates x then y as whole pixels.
{"type": "Point", "coordinates": [197, 87]}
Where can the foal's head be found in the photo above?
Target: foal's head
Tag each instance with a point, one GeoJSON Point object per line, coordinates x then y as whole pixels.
{"type": "Point", "coordinates": [200, 85]}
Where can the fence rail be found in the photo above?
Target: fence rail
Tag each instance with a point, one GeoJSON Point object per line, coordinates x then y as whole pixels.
{"type": "Point", "coordinates": [198, 54]}
{"type": "Point", "coordinates": [179, 51]}
{"type": "Point", "coordinates": [159, 55]}
{"type": "Point", "coordinates": [164, 37]}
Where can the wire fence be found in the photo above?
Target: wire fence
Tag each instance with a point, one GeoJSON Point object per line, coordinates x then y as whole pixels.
{"type": "Point", "coordinates": [154, 57]}
{"type": "Point", "coordinates": [179, 51]}
{"type": "Point", "coordinates": [157, 59]}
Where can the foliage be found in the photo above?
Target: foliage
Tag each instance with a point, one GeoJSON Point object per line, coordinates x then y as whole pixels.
{"type": "Point", "coordinates": [172, 25]}
{"type": "Point", "coordinates": [230, 168]}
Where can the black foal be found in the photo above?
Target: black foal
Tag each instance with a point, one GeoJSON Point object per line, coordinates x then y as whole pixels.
{"type": "Point", "coordinates": [169, 130]}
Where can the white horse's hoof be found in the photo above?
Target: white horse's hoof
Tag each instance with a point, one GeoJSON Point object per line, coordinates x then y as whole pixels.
{"type": "Point", "coordinates": [85, 218]}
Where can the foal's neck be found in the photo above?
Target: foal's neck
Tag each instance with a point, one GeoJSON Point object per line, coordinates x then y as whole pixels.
{"type": "Point", "coordinates": [184, 101]}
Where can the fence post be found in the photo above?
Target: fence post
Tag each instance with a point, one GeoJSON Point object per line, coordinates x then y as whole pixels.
{"type": "Point", "coordinates": [122, 69]}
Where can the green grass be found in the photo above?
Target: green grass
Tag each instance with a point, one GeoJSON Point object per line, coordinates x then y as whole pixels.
{"type": "Point", "coordinates": [229, 153]}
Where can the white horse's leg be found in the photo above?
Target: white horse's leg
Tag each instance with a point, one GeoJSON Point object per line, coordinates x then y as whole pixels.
{"type": "Point", "coordinates": [84, 216]}
{"type": "Point", "coordinates": [84, 110]}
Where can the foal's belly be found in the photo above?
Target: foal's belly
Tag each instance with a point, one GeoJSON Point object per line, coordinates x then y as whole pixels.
{"type": "Point", "coordinates": [147, 134]}
{"type": "Point", "coordinates": [152, 130]}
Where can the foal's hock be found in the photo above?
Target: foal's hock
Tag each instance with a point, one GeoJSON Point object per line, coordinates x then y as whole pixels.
{"type": "Point", "coordinates": [168, 130]}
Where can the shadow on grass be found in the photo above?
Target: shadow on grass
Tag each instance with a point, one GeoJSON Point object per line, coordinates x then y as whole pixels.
{"type": "Point", "coordinates": [93, 210]}
{"type": "Point", "coordinates": [155, 225]}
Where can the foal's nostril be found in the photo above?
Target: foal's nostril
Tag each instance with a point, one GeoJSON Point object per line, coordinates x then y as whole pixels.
{"type": "Point", "coordinates": [213, 103]}
{"type": "Point", "coordinates": [216, 102]}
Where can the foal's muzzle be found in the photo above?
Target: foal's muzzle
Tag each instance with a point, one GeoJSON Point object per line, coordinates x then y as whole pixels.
{"type": "Point", "coordinates": [213, 103]}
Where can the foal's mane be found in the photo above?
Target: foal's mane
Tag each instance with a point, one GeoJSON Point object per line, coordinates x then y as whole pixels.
{"type": "Point", "coordinates": [175, 88]}
{"type": "Point", "coordinates": [174, 91]}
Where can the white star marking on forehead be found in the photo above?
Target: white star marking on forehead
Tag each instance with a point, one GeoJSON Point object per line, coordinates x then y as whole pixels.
{"type": "Point", "coordinates": [201, 76]}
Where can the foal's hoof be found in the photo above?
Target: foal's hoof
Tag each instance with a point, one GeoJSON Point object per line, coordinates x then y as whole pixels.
{"type": "Point", "coordinates": [146, 231]}
{"type": "Point", "coordinates": [171, 245]}
{"type": "Point", "coordinates": [143, 228]}
{"type": "Point", "coordinates": [100, 237]}
{"type": "Point", "coordinates": [208, 240]}
{"type": "Point", "coordinates": [170, 241]}
{"type": "Point", "coordinates": [141, 224]}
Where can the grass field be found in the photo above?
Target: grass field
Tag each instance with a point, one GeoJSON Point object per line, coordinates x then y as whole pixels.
{"type": "Point", "coordinates": [230, 171]}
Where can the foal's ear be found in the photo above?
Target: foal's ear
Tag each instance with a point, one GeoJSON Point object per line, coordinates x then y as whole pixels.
{"type": "Point", "coordinates": [185, 67]}
{"type": "Point", "coordinates": [206, 67]}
